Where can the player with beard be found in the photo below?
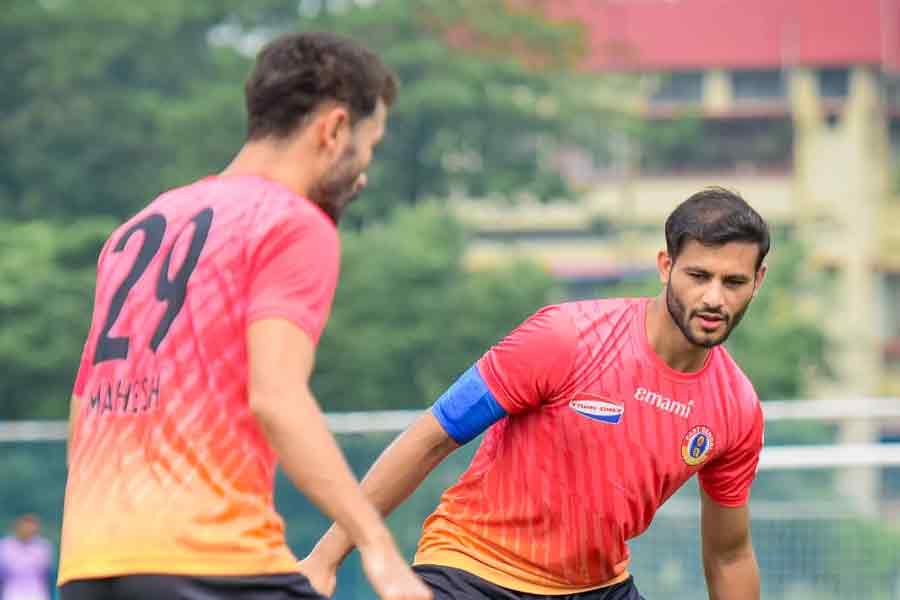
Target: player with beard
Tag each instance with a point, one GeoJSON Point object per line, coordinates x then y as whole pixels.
{"type": "Point", "coordinates": [596, 412]}
{"type": "Point", "coordinates": [195, 374]}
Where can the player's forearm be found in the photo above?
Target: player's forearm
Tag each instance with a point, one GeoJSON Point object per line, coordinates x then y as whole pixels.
{"type": "Point", "coordinates": [313, 461]}
{"type": "Point", "coordinates": [397, 473]}
{"type": "Point", "coordinates": [733, 576]}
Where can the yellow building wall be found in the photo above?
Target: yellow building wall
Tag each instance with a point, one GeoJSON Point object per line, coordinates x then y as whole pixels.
{"type": "Point", "coordinates": [837, 197]}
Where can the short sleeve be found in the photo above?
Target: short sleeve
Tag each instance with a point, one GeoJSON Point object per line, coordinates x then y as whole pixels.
{"type": "Point", "coordinates": [531, 365]}
{"type": "Point", "coordinates": [294, 272]}
{"type": "Point", "coordinates": [727, 479]}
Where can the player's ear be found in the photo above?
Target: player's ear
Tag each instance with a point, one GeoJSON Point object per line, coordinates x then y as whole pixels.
{"type": "Point", "coordinates": [758, 280]}
{"type": "Point", "coordinates": [664, 264]}
{"type": "Point", "coordinates": [334, 127]}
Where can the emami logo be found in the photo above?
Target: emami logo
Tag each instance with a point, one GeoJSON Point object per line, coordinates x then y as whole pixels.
{"type": "Point", "coordinates": [598, 410]}
{"type": "Point", "coordinates": [682, 409]}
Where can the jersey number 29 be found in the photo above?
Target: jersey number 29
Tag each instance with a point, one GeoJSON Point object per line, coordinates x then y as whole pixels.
{"type": "Point", "coordinates": [171, 291]}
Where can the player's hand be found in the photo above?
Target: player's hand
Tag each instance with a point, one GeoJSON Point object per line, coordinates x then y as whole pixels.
{"type": "Point", "coordinates": [322, 575]}
{"type": "Point", "coordinates": [391, 577]}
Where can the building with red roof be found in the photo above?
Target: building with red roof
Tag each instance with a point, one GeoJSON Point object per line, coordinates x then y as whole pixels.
{"type": "Point", "coordinates": [677, 35]}
{"type": "Point", "coordinates": [793, 103]}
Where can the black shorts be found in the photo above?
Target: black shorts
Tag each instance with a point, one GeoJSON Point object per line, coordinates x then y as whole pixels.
{"type": "Point", "coordinates": [448, 583]}
{"type": "Point", "coordinates": [179, 587]}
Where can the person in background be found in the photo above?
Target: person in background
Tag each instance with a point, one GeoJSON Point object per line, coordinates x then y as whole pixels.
{"type": "Point", "coordinates": [25, 562]}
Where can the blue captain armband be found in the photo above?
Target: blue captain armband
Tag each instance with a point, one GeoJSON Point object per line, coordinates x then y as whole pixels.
{"type": "Point", "coordinates": [467, 407]}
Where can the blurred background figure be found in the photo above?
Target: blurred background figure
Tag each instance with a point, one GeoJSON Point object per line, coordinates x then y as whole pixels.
{"type": "Point", "coordinates": [26, 560]}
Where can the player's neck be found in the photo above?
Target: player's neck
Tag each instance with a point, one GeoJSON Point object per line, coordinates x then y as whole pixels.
{"type": "Point", "coordinates": [270, 161]}
{"type": "Point", "coordinates": [669, 343]}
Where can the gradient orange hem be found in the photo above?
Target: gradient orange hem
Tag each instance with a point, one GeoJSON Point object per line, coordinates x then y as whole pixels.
{"type": "Point", "coordinates": [95, 569]}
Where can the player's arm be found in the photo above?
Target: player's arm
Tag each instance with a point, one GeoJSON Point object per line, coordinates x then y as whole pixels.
{"type": "Point", "coordinates": [465, 410]}
{"type": "Point", "coordinates": [396, 474]}
{"type": "Point", "coordinates": [514, 376]}
{"type": "Point", "coordinates": [281, 358]}
{"type": "Point", "coordinates": [728, 558]}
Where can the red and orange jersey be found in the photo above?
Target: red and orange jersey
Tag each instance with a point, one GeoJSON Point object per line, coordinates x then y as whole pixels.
{"type": "Point", "coordinates": [169, 471]}
{"type": "Point", "coordinates": [600, 433]}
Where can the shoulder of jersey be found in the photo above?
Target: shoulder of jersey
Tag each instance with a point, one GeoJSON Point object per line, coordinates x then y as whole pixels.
{"type": "Point", "coordinates": [608, 308]}
{"type": "Point", "coordinates": [732, 372]}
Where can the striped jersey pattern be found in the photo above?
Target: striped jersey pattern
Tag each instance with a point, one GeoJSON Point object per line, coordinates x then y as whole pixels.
{"type": "Point", "coordinates": [169, 471]}
{"type": "Point", "coordinates": [600, 433]}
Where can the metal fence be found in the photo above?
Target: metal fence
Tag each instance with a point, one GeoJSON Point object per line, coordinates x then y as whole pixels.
{"type": "Point", "coordinates": [812, 542]}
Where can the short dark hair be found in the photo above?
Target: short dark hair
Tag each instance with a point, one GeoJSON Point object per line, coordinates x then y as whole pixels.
{"type": "Point", "coordinates": [297, 72]}
{"type": "Point", "coordinates": [714, 217]}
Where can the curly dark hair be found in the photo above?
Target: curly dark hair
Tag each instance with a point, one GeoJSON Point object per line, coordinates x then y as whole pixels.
{"type": "Point", "coordinates": [297, 72]}
{"type": "Point", "coordinates": [714, 217]}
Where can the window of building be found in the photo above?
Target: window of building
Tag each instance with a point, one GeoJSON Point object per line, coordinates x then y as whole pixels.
{"type": "Point", "coordinates": [891, 303]}
{"type": "Point", "coordinates": [834, 83]}
{"type": "Point", "coordinates": [889, 325]}
{"type": "Point", "coordinates": [758, 144]}
{"type": "Point", "coordinates": [894, 133]}
{"type": "Point", "coordinates": [890, 89]}
{"type": "Point", "coordinates": [683, 87]}
{"type": "Point", "coordinates": [757, 85]}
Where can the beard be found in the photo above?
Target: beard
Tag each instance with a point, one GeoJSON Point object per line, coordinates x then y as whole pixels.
{"type": "Point", "coordinates": [680, 316]}
{"type": "Point", "coordinates": [337, 188]}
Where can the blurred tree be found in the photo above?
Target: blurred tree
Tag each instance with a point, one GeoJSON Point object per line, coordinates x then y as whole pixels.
{"type": "Point", "coordinates": [408, 318]}
{"type": "Point", "coordinates": [106, 104]}
{"type": "Point", "coordinates": [46, 285]}
{"type": "Point", "coordinates": [785, 346]}
{"type": "Point", "coordinates": [489, 98]}
{"type": "Point", "coordinates": [101, 128]}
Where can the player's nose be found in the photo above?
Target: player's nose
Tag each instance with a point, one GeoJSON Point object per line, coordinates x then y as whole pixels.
{"type": "Point", "coordinates": [713, 298]}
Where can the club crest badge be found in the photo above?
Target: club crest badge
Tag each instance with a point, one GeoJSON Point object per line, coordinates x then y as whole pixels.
{"type": "Point", "coordinates": [697, 445]}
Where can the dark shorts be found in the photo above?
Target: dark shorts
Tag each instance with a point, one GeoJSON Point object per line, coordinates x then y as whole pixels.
{"type": "Point", "coordinates": [180, 587]}
{"type": "Point", "coordinates": [453, 584]}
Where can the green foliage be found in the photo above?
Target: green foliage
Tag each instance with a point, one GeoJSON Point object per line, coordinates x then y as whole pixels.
{"type": "Point", "coordinates": [106, 105]}
{"type": "Point", "coordinates": [38, 470]}
{"type": "Point", "coordinates": [783, 346]}
{"type": "Point", "coordinates": [101, 128]}
{"type": "Point", "coordinates": [408, 318]}
{"type": "Point", "coordinates": [882, 542]}
{"type": "Point", "coordinates": [46, 286]}
{"type": "Point", "coordinates": [665, 144]}
{"type": "Point", "coordinates": [472, 118]}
